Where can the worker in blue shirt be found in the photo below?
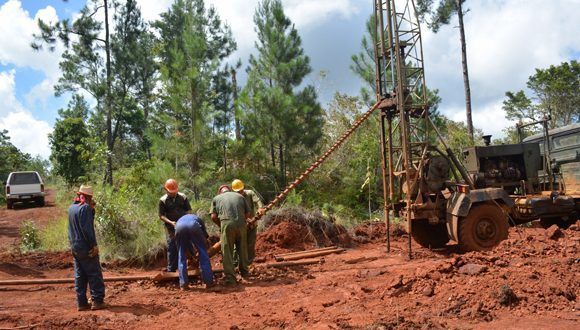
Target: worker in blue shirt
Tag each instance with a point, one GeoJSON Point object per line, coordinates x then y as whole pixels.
{"type": "Point", "coordinates": [189, 232]}
{"type": "Point", "coordinates": [83, 243]}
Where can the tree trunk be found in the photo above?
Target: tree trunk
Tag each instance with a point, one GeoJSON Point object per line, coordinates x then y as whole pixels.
{"type": "Point", "coordinates": [272, 155]}
{"type": "Point", "coordinates": [194, 159]}
{"type": "Point", "coordinates": [108, 101]}
{"type": "Point", "coordinates": [282, 165]}
{"type": "Point", "coordinates": [465, 72]}
{"type": "Point", "coordinates": [238, 129]}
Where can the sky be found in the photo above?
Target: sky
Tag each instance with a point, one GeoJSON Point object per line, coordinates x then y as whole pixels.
{"type": "Point", "coordinates": [506, 41]}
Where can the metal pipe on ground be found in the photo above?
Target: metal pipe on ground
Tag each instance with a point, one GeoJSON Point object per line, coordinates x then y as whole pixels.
{"type": "Point", "coordinates": [291, 263]}
{"type": "Point", "coordinates": [72, 280]}
{"type": "Point", "coordinates": [309, 255]}
{"type": "Point", "coordinates": [160, 277]}
{"type": "Point", "coordinates": [306, 251]}
{"type": "Point", "coordinates": [214, 249]}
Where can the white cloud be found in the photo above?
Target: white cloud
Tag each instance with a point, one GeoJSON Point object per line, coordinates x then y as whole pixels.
{"type": "Point", "coordinates": [490, 118]}
{"type": "Point", "coordinates": [239, 15]}
{"type": "Point", "coordinates": [16, 30]}
{"type": "Point", "coordinates": [27, 133]}
{"type": "Point", "coordinates": [40, 93]}
{"type": "Point", "coordinates": [506, 41]}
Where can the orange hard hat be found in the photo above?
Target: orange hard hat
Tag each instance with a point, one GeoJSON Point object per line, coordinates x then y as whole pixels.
{"type": "Point", "coordinates": [171, 186]}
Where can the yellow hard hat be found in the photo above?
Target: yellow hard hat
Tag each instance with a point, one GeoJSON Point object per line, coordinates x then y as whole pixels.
{"type": "Point", "coordinates": [237, 185]}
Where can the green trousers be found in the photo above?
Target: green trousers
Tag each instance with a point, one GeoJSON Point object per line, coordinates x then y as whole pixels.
{"type": "Point", "coordinates": [251, 235]}
{"type": "Point", "coordinates": [234, 238]}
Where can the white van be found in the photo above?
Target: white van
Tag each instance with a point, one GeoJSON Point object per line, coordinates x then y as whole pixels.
{"type": "Point", "coordinates": [24, 187]}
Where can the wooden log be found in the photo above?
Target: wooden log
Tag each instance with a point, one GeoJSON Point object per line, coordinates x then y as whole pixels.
{"type": "Point", "coordinates": [310, 255]}
{"type": "Point", "coordinates": [305, 251]}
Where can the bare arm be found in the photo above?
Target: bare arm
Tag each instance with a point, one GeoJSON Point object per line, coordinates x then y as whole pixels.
{"type": "Point", "coordinates": [167, 221]}
{"type": "Point", "coordinates": [215, 219]}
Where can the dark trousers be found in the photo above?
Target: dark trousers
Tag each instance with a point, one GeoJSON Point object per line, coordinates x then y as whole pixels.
{"type": "Point", "coordinates": [88, 272]}
{"type": "Point", "coordinates": [171, 250]}
{"type": "Point", "coordinates": [189, 234]}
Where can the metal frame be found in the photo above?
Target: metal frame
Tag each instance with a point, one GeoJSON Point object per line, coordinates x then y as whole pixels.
{"type": "Point", "coordinates": [402, 94]}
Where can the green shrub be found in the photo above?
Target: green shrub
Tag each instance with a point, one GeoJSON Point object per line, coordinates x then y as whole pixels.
{"type": "Point", "coordinates": [127, 228]}
{"type": "Point", "coordinates": [54, 236]}
{"type": "Point", "coordinates": [30, 240]}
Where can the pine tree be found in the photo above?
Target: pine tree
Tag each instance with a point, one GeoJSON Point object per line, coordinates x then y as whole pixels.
{"type": "Point", "coordinates": [284, 121]}
{"type": "Point", "coordinates": [192, 44]}
{"type": "Point", "coordinates": [439, 16]}
{"type": "Point", "coordinates": [109, 78]}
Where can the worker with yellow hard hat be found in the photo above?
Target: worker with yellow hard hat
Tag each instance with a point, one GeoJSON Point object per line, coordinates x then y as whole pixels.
{"type": "Point", "coordinates": [172, 206]}
{"type": "Point", "coordinates": [229, 211]}
{"type": "Point", "coordinates": [256, 205]}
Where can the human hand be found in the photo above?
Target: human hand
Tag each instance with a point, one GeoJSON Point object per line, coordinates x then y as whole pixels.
{"type": "Point", "coordinates": [261, 211]}
{"type": "Point", "coordinates": [94, 252]}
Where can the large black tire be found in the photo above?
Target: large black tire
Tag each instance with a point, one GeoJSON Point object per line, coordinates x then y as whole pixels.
{"type": "Point", "coordinates": [9, 205]}
{"type": "Point", "coordinates": [40, 202]}
{"type": "Point", "coordinates": [483, 228]}
{"type": "Point", "coordinates": [429, 236]}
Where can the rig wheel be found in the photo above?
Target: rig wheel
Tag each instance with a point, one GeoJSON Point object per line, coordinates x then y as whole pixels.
{"type": "Point", "coordinates": [483, 228]}
{"type": "Point", "coordinates": [429, 236]}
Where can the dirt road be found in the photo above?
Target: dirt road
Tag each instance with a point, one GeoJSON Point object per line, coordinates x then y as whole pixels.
{"type": "Point", "coordinates": [11, 220]}
{"type": "Point", "coordinates": [531, 281]}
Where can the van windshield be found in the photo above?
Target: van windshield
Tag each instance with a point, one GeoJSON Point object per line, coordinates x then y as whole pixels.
{"type": "Point", "coordinates": [24, 178]}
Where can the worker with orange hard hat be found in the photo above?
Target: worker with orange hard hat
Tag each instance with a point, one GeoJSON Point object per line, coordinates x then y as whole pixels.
{"type": "Point", "coordinates": [172, 206]}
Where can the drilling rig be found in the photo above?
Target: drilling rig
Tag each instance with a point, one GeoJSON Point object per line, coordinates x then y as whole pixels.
{"type": "Point", "coordinates": [500, 185]}
{"type": "Point", "coordinates": [416, 160]}
{"type": "Point", "coordinates": [424, 183]}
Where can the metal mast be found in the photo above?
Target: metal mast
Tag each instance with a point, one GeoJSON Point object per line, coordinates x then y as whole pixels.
{"type": "Point", "coordinates": [401, 91]}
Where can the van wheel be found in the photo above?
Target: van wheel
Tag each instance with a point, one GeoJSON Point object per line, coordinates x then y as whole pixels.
{"type": "Point", "coordinates": [9, 205]}
{"type": "Point", "coordinates": [429, 236]}
{"type": "Point", "coordinates": [483, 228]}
{"type": "Point", "coordinates": [40, 201]}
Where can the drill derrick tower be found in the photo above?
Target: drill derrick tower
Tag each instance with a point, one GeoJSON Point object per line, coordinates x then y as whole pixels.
{"type": "Point", "coordinates": [404, 112]}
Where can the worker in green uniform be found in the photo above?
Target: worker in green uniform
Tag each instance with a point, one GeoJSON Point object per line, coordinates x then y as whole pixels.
{"type": "Point", "coordinates": [256, 205]}
{"type": "Point", "coordinates": [229, 210]}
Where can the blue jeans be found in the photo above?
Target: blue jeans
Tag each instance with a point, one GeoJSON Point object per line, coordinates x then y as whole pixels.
{"type": "Point", "coordinates": [171, 250]}
{"type": "Point", "coordinates": [88, 272]}
{"type": "Point", "coordinates": [188, 233]}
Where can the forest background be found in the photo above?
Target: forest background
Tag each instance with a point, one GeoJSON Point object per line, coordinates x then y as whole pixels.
{"type": "Point", "coordinates": [154, 100]}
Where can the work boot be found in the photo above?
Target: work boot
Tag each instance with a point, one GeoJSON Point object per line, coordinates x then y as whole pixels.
{"type": "Point", "coordinates": [208, 285]}
{"type": "Point", "coordinates": [98, 305]}
{"type": "Point", "coordinates": [184, 287]}
{"type": "Point", "coordinates": [83, 307]}
{"type": "Point", "coordinates": [245, 274]}
{"type": "Point", "coordinates": [230, 282]}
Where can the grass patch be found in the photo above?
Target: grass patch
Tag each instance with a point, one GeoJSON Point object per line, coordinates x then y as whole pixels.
{"type": "Point", "coordinates": [54, 236]}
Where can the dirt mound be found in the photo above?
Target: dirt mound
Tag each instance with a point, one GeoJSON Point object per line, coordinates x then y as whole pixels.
{"type": "Point", "coordinates": [373, 231]}
{"type": "Point", "coordinates": [295, 229]}
{"type": "Point", "coordinates": [31, 264]}
{"type": "Point", "coordinates": [531, 272]}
